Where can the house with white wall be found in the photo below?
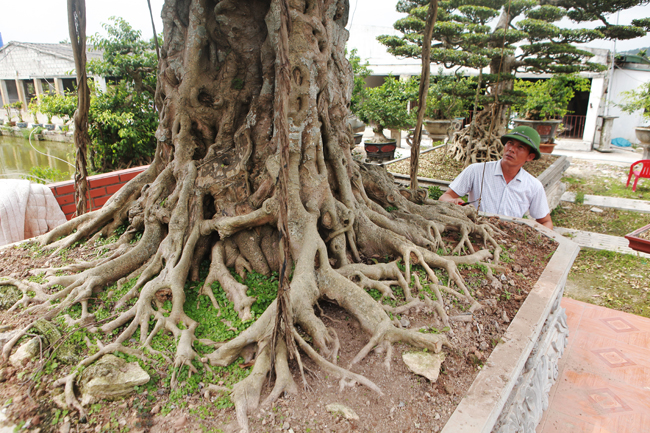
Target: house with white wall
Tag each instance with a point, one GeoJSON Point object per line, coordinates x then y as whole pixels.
{"type": "Point", "coordinates": [29, 70]}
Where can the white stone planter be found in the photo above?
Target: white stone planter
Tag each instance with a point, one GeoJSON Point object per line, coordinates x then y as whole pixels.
{"type": "Point", "coordinates": [643, 135]}
{"type": "Point", "coordinates": [511, 392]}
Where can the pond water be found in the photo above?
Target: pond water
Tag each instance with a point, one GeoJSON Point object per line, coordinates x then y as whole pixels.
{"type": "Point", "coordinates": [17, 156]}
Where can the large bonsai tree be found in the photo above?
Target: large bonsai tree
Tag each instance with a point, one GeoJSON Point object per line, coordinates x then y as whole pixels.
{"type": "Point", "coordinates": [507, 36]}
{"type": "Point", "coordinates": [253, 157]}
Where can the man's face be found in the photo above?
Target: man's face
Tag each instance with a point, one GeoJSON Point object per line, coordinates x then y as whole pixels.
{"type": "Point", "coordinates": [516, 153]}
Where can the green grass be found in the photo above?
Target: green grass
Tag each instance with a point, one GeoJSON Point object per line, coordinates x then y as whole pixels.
{"type": "Point", "coordinates": [614, 222]}
{"type": "Point", "coordinates": [609, 186]}
{"type": "Point", "coordinates": [612, 280]}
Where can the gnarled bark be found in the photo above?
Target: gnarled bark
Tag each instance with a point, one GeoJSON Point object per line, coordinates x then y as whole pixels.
{"type": "Point", "coordinates": [213, 190]}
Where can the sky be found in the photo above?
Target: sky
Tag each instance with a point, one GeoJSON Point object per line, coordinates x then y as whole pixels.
{"type": "Point", "coordinates": [39, 21]}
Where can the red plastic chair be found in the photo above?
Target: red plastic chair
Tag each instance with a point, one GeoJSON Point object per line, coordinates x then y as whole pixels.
{"type": "Point", "coordinates": [643, 172]}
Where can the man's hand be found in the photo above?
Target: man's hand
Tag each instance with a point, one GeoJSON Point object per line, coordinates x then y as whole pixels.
{"type": "Point", "coordinates": [545, 221]}
{"type": "Point", "coordinates": [451, 197]}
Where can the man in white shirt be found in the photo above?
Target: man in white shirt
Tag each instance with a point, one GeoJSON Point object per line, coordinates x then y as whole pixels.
{"type": "Point", "coordinates": [503, 187]}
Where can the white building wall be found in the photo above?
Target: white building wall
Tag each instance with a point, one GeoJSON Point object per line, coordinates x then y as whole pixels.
{"type": "Point", "coordinates": [595, 100]}
{"type": "Point", "coordinates": [625, 80]}
{"type": "Point", "coordinates": [21, 63]}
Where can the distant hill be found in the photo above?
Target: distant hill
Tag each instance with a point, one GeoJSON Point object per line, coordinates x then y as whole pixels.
{"type": "Point", "coordinates": [636, 51]}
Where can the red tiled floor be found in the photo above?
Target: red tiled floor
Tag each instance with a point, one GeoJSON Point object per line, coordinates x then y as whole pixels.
{"type": "Point", "coordinates": [603, 384]}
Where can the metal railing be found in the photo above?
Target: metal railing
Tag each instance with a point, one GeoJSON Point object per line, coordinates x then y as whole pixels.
{"type": "Point", "coordinates": [574, 126]}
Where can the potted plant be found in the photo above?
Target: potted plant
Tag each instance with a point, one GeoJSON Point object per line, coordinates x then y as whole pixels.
{"type": "Point", "coordinates": [546, 102]}
{"type": "Point", "coordinates": [633, 101]}
{"type": "Point", "coordinates": [18, 105]}
{"type": "Point", "coordinates": [447, 102]}
{"type": "Point", "coordinates": [33, 109]}
{"type": "Point", "coordinates": [385, 107]}
{"type": "Point", "coordinates": [8, 108]}
{"type": "Point", "coordinates": [48, 108]}
{"type": "Point", "coordinates": [361, 72]}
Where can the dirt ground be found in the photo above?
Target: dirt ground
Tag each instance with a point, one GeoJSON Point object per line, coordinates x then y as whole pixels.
{"type": "Point", "coordinates": [409, 403]}
{"type": "Point", "coordinates": [437, 165]}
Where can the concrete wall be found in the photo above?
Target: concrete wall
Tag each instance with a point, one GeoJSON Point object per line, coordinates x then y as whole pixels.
{"type": "Point", "coordinates": [101, 188]}
{"type": "Point", "coordinates": [624, 80]}
{"type": "Point", "coordinates": [595, 101]}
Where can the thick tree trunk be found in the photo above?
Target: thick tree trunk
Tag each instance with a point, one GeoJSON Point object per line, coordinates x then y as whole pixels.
{"type": "Point", "coordinates": [77, 28]}
{"type": "Point", "coordinates": [253, 142]}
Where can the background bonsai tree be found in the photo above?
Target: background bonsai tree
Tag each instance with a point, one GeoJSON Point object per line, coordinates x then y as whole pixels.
{"type": "Point", "coordinates": [387, 106]}
{"type": "Point", "coordinates": [450, 96]}
{"type": "Point", "coordinates": [481, 34]}
{"type": "Point", "coordinates": [7, 108]}
{"type": "Point", "coordinates": [18, 106]}
{"type": "Point", "coordinates": [548, 99]}
{"type": "Point", "coordinates": [361, 71]}
{"type": "Point", "coordinates": [637, 100]}
{"type": "Point", "coordinates": [61, 106]}
{"type": "Point", "coordinates": [34, 109]}
{"type": "Point", "coordinates": [123, 120]}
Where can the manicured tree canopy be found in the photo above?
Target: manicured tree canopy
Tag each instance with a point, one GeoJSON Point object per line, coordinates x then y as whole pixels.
{"type": "Point", "coordinates": [509, 37]}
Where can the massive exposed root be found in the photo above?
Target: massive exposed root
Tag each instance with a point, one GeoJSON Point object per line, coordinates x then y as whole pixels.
{"type": "Point", "coordinates": [211, 195]}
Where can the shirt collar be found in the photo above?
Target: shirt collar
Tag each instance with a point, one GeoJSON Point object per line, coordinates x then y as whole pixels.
{"type": "Point", "coordinates": [499, 172]}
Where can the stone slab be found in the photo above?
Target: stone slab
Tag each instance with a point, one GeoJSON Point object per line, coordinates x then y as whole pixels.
{"type": "Point", "coordinates": [611, 202]}
{"type": "Point", "coordinates": [599, 241]}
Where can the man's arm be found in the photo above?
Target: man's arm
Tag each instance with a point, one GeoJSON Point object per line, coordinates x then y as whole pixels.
{"type": "Point", "coordinates": [545, 221]}
{"type": "Point", "coordinates": [451, 197]}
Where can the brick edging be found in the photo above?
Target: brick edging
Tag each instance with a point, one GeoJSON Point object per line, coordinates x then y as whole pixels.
{"type": "Point", "coordinates": [100, 188]}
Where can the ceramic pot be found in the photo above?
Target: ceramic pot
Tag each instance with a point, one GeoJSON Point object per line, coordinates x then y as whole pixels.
{"type": "Point", "coordinates": [637, 243]}
{"type": "Point", "coordinates": [545, 128]}
{"type": "Point", "coordinates": [356, 124]}
{"type": "Point", "coordinates": [380, 151]}
{"type": "Point", "coordinates": [437, 127]}
{"type": "Point", "coordinates": [546, 147]}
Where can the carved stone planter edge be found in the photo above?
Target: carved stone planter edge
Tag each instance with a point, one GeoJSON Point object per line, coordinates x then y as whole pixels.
{"type": "Point", "coordinates": [484, 403]}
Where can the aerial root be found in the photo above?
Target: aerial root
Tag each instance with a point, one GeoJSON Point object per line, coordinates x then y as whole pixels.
{"type": "Point", "coordinates": [235, 291]}
{"type": "Point", "coordinates": [283, 379]}
{"type": "Point", "coordinates": [214, 389]}
{"type": "Point", "coordinates": [246, 393]}
{"type": "Point", "coordinates": [185, 354]}
{"type": "Point", "coordinates": [70, 399]}
{"type": "Point", "coordinates": [464, 242]}
{"type": "Point", "coordinates": [332, 368]}
{"type": "Point", "coordinates": [25, 287]}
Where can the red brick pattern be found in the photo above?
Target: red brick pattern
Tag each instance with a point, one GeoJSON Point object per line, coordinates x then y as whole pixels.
{"type": "Point", "coordinates": [604, 375]}
{"type": "Point", "coordinates": [101, 188]}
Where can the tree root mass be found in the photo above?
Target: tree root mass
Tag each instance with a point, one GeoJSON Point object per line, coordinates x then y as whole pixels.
{"type": "Point", "coordinates": [207, 210]}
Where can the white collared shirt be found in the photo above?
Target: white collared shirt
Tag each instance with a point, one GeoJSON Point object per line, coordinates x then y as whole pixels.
{"type": "Point", "coordinates": [523, 193]}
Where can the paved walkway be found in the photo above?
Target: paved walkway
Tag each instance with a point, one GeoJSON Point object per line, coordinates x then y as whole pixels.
{"type": "Point", "coordinates": [603, 383]}
{"type": "Point", "coordinates": [582, 150]}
